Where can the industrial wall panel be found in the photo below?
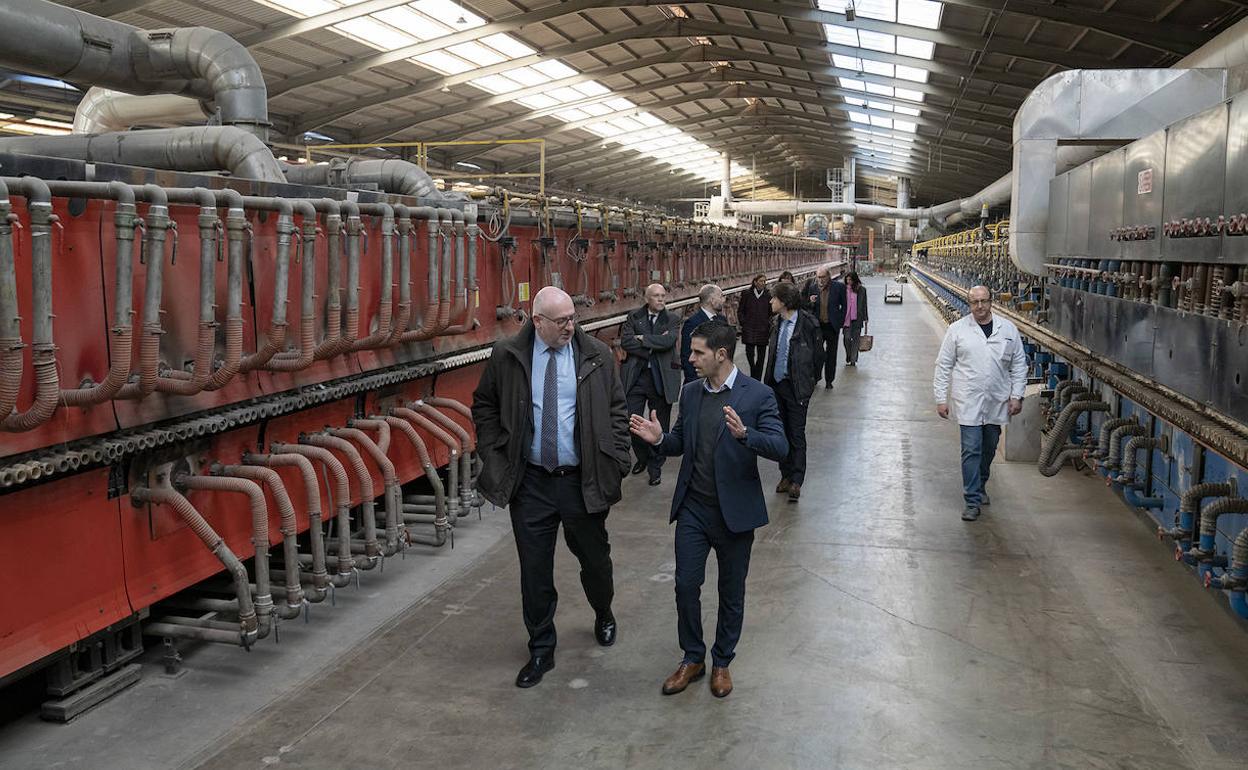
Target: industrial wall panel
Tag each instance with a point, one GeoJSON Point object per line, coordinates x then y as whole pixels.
{"type": "Point", "coordinates": [1195, 182]}
{"type": "Point", "coordinates": [1059, 195]}
{"type": "Point", "coordinates": [1182, 357]}
{"type": "Point", "coordinates": [1079, 211]}
{"type": "Point", "coordinates": [1230, 363]}
{"type": "Point", "coordinates": [1143, 185]}
{"type": "Point", "coordinates": [1235, 248]}
{"type": "Point", "coordinates": [1106, 206]}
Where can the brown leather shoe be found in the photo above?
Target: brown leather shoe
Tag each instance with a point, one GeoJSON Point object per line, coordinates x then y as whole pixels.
{"type": "Point", "coordinates": [783, 486]}
{"type": "Point", "coordinates": [685, 673]}
{"type": "Point", "coordinates": [721, 682]}
{"type": "Point", "coordinates": [795, 492]}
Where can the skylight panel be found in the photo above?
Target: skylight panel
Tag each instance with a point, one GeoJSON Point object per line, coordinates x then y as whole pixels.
{"type": "Point", "coordinates": [508, 46]}
{"type": "Point", "coordinates": [877, 41]}
{"type": "Point", "coordinates": [448, 12]}
{"type": "Point", "coordinates": [604, 129]}
{"type": "Point", "coordinates": [303, 8]}
{"type": "Point", "coordinates": [648, 119]}
{"type": "Point", "coordinates": [911, 73]}
{"type": "Point", "coordinates": [620, 104]}
{"type": "Point", "coordinates": [908, 95]}
{"type": "Point", "coordinates": [881, 106]}
{"type": "Point", "coordinates": [477, 54]}
{"type": "Point", "coordinates": [877, 68]}
{"type": "Point", "coordinates": [565, 94]}
{"type": "Point", "coordinates": [854, 101]}
{"type": "Point", "coordinates": [411, 23]}
{"type": "Point", "coordinates": [555, 70]}
{"type": "Point", "coordinates": [919, 49]}
{"type": "Point", "coordinates": [879, 90]}
{"type": "Point", "coordinates": [884, 10]}
{"type": "Point", "coordinates": [853, 85]}
{"type": "Point", "coordinates": [905, 125]}
{"type": "Point", "coordinates": [846, 62]}
{"type": "Point", "coordinates": [625, 124]}
{"type": "Point", "coordinates": [597, 110]}
{"type": "Point", "coordinates": [592, 88]}
{"type": "Point", "coordinates": [572, 114]}
{"type": "Point", "coordinates": [881, 122]}
{"type": "Point", "coordinates": [443, 62]}
{"type": "Point", "coordinates": [374, 34]}
{"type": "Point", "coordinates": [527, 76]}
{"type": "Point", "coordinates": [919, 13]}
{"type": "Point", "coordinates": [859, 117]}
{"type": "Point", "coordinates": [841, 35]}
{"type": "Point", "coordinates": [906, 111]}
{"type": "Point", "coordinates": [496, 84]}
{"type": "Point", "coordinates": [537, 101]}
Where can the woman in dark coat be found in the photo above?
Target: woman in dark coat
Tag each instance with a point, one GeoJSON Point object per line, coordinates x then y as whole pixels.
{"type": "Point", "coordinates": [855, 317]}
{"type": "Point", "coordinates": [754, 318]}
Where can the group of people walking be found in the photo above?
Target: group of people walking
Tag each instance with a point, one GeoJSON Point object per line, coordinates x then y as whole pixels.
{"type": "Point", "coordinates": [555, 423]}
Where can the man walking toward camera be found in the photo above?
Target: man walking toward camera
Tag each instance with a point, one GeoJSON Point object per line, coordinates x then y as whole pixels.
{"type": "Point", "coordinates": [552, 432]}
{"type": "Point", "coordinates": [650, 374]}
{"type": "Point", "coordinates": [982, 364]}
{"type": "Point", "coordinates": [726, 421]}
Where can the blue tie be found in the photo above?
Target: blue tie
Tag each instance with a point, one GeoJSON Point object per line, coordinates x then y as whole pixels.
{"type": "Point", "coordinates": [550, 412]}
{"type": "Point", "coordinates": [782, 351]}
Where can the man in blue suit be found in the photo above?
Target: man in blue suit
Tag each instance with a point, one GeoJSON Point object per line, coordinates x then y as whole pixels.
{"type": "Point", "coordinates": [726, 421]}
{"type": "Point", "coordinates": [710, 308]}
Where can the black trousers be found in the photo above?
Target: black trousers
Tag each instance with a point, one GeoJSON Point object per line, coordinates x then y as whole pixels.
{"type": "Point", "coordinates": [793, 415]}
{"type": "Point", "coordinates": [536, 512]}
{"type": "Point", "coordinates": [642, 397]}
{"type": "Point", "coordinates": [829, 336]}
{"type": "Point", "coordinates": [756, 356]}
{"type": "Point", "coordinates": [852, 333]}
{"type": "Point", "coordinates": [698, 530]}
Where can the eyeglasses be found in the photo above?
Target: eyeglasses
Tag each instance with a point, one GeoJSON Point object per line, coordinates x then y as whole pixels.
{"type": "Point", "coordinates": [981, 302]}
{"type": "Point", "coordinates": [567, 320]}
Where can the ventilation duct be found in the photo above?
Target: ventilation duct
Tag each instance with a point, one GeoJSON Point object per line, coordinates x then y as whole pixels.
{"type": "Point", "coordinates": [393, 176]}
{"type": "Point", "coordinates": [102, 110]}
{"type": "Point", "coordinates": [43, 38]}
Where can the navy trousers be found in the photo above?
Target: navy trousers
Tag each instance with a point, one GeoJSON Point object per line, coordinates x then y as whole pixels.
{"type": "Point", "coordinates": [698, 530]}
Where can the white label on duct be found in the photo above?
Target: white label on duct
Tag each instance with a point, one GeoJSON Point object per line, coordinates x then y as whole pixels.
{"type": "Point", "coordinates": [1144, 182]}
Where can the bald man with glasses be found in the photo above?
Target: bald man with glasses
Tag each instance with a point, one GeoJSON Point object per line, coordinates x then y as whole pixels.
{"type": "Point", "coordinates": [982, 365]}
{"type": "Point", "coordinates": [552, 432]}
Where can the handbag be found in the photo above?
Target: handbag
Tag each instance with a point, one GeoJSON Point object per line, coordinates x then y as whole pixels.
{"type": "Point", "coordinates": [865, 341]}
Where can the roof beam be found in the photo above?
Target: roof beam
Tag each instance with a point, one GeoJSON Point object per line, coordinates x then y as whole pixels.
{"type": "Point", "coordinates": [109, 8]}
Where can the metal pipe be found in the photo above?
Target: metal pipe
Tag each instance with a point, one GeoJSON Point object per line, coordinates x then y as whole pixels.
{"type": "Point", "coordinates": [1127, 476]}
{"type": "Point", "coordinates": [312, 497]}
{"type": "Point", "coordinates": [259, 526]}
{"type": "Point", "coordinates": [238, 236]}
{"type": "Point", "coordinates": [440, 522]}
{"type": "Point", "coordinates": [189, 149]}
{"type": "Point", "coordinates": [289, 528]}
{"type": "Point", "coordinates": [11, 345]}
{"type": "Point", "coordinates": [1107, 428]}
{"type": "Point", "coordinates": [1051, 459]}
{"type": "Point", "coordinates": [43, 38]}
{"type": "Point", "coordinates": [1189, 508]}
{"type": "Point", "coordinates": [465, 287]}
{"type": "Point", "coordinates": [392, 496]}
{"type": "Point", "coordinates": [372, 550]}
{"type": "Point", "coordinates": [247, 623]}
{"type": "Point", "coordinates": [391, 175]}
{"type": "Point", "coordinates": [385, 299]}
{"type": "Point", "coordinates": [103, 109]}
{"type": "Point", "coordinates": [157, 222]}
{"type": "Point", "coordinates": [125, 217]}
{"type": "Point", "coordinates": [421, 421]}
{"type": "Point", "coordinates": [207, 337]}
{"type": "Point", "coordinates": [340, 498]}
{"type": "Point", "coordinates": [1113, 458]}
{"type": "Point", "coordinates": [334, 232]}
{"type": "Point", "coordinates": [275, 337]}
{"type": "Point", "coordinates": [429, 326]}
{"type": "Point", "coordinates": [466, 443]}
{"type": "Point", "coordinates": [303, 356]}
{"type": "Point", "coordinates": [1204, 551]}
{"type": "Point", "coordinates": [43, 347]}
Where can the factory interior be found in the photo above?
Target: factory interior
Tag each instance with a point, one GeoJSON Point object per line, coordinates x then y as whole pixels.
{"type": "Point", "coordinates": [265, 263]}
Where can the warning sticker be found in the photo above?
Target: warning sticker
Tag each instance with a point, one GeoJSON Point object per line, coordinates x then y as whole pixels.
{"type": "Point", "coordinates": [1144, 182]}
{"type": "Point", "coordinates": [523, 291]}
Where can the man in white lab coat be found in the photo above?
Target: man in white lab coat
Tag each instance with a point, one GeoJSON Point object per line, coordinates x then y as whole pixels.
{"type": "Point", "coordinates": [983, 356]}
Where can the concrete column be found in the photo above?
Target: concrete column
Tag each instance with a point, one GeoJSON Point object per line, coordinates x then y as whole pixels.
{"type": "Point", "coordinates": [903, 202]}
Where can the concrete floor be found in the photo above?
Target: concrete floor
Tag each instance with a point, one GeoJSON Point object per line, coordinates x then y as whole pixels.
{"type": "Point", "coordinates": [880, 631]}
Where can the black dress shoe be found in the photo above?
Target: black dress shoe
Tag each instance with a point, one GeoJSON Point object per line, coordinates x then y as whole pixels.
{"type": "Point", "coordinates": [532, 672]}
{"type": "Point", "coordinates": [604, 630]}
{"type": "Point", "coordinates": [655, 481]}
{"type": "Point", "coordinates": [638, 467]}
{"type": "Point", "coordinates": [828, 386]}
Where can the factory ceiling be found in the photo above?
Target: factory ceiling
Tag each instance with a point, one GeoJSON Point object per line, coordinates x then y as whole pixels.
{"type": "Point", "coordinates": [638, 98]}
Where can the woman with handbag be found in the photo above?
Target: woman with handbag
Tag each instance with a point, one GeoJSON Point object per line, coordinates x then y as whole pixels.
{"type": "Point", "coordinates": [855, 318]}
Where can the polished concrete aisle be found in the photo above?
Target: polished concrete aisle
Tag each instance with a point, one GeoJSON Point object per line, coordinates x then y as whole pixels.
{"type": "Point", "coordinates": [880, 631]}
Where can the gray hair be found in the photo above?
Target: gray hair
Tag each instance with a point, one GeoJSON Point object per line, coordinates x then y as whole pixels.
{"type": "Point", "coordinates": [706, 292]}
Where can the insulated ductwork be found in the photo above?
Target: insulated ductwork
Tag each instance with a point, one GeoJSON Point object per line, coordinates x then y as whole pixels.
{"type": "Point", "coordinates": [994, 195]}
{"type": "Point", "coordinates": [393, 176]}
{"type": "Point", "coordinates": [192, 149]}
{"type": "Point", "coordinates": [103, 110]}
{"type": "Point", "coordinates": [1102, 107]}
{"type": "Point", "coordinates": [47, 39]}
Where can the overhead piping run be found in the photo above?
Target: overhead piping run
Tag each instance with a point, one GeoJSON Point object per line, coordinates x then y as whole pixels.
{"type": "Point", "coordinates": [398, 177]}
{"type": "Point", "coordinates": [103, 110]}
{"type": "Point", "coordinates": [43, 38]}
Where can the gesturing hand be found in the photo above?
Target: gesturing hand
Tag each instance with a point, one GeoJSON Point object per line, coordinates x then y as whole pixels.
{"type": "Point", "coordinates": [733, 420]}
{"type": "Point", "coordinates": [649, 431]}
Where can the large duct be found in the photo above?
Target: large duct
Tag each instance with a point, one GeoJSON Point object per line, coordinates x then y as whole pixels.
{"type": "Point", "coordinates": [192, 149]}
{"type": "Point", "coordinates": [398, 177]}
{"type": "Point", "coordinates": [994, 194]}
{"type": "Point", "coordinates": [43, 38]}
{"type": "Point", "coordinates": [1092, 107]}
{"type": "Point", "coordinates": [102, 110]}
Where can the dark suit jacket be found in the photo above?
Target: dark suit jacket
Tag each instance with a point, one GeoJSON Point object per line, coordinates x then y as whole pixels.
{"type": "Point", "coordinates": [836, 302]}
{"type": "Point", "coordinates": [736, 462]}
{"type": "Point", "coordinates": [659, 346]}
{"type": "Point", "coordinates": [805, 354]}
{"type": "Point", "coordinates": [695, 319]}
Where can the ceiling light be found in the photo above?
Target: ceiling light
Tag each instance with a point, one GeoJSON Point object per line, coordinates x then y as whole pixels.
{"type": "Point", "coordinates": [445, 89]}
{"type": "Point", "coordinates": [850, 14]}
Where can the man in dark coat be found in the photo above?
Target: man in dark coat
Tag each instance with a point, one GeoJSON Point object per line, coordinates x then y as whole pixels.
{"type": "Point", "coordinates": [754, 318]}
{"type": "Point", "coordinates": [824, 298]}
{"type": "Point", "coordinates": [726, 421]}
{"type": "Point", "coordinates": [552, 433]}
{"type": "Point", "coordinates": [650, 373]}
{"type": "Point", "coordinates": [793, 364]}
{"type": "Point", "coordinates": [710, 308]}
